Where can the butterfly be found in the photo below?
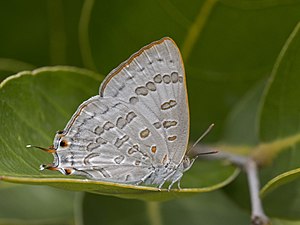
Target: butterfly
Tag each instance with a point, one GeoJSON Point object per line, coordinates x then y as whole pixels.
{"type": "Point", "coordinates": [136, 130]}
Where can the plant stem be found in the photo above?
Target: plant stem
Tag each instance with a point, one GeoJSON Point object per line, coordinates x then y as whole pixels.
{"type": "Point", "coordinates": [258, 216]}
{"type": "Point", "coordinates": [83, 35]}
{"type": "Point", "coordinates": [57, 32]}
{"type": "Point", "coordinates": [154, 213]}
{"type": "Point", "coordinates": [196, 28]}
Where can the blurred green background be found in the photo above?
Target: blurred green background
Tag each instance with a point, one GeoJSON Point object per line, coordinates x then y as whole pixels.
{"type": "Point", "coordinates": [229, 48]}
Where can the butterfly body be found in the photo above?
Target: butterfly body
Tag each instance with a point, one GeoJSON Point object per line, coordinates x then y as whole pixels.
{"type": "Point", "coordinates": [136, 130]}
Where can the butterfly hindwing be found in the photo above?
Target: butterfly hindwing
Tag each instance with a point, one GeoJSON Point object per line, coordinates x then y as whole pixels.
{"type": "Point", "coordinates": [108, 140]}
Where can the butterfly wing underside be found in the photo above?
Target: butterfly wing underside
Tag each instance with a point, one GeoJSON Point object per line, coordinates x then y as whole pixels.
{"type": "Point", "coordinates": [140, 120]}
{"type": "Point", "coordinates": [103, 142]}
{"type": "Point", "coordinates": [153, 82]}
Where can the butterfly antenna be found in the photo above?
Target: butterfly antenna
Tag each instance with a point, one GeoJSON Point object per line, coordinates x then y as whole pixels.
{"type": "Point", "coordinates": [200, 138]}
{"type": "Point", "coordinates": [50, 149]}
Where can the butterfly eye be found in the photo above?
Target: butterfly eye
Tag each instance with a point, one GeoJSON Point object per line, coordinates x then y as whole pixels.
{"type": "Point", "coordinates": [186, 162]}
{"type": "Point", "coordinates": [59, 132]}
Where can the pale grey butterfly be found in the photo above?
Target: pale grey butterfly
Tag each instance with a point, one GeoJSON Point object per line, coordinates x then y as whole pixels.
{"type": "Point", "coordinates": [136, 130]}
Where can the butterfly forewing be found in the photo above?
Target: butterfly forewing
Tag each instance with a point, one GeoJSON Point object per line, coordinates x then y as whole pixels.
{"type": "Point", "coordinates": [152, 82]}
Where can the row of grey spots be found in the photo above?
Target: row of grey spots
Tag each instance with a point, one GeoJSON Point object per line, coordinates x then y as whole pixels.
{"type": "Point", "coordinates": [119, 159]}
{"type": "Point", "coordinates": [157, 125]}
{"type": "Point", "coordinates": [144, 90]}
{"type": "Point", "coordinates": [133, 149]}
{"type": "Point", "coordinates": [130, 116]}
{"type": "Point", "coordinates": [120, 141]}
{"type": "Point", "coordinates": [157, 78]}
{"type": "Point", "coordinates": [174, 78]}
{"type": "Point", "coordinates": [133, 100]}
{"type": "Point", "coordinates": [145, 133]}
{"type": "Point", "coordinates": [169, 123]}
{"type": "Point", "coordinates": [101, 141]}
{"type": "Point", "coordinates": [168, 105]}
{"type": "Point", "coordinates": [150, 86]}
{"type": "Point", "coordinates": [94, 145]}
{"type": "Point", "coordinates": [108, 125]}
{"type": "Point", "coordinates": [136, 149]}
{"type": "Point", "coordinates": [141, 91]}
{"type": "Point", "coordinates": [99, 130]}
{"type": "Point", "coordinates": [166, 124]}
{"type": "Point", "coordinates": [120, 123]}
{"type": "Point", "coordinates": [167, 79]}
{"type": "Point", "coordinates": [87, 159]}
{"type": "Point", "coordinates": [172, 138]}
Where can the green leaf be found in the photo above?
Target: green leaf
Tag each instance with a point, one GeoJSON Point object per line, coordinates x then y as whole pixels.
{"type": "Point", "coordinates": [240, 128]}
{"type": "Point", "coordinates": [232, 50]}
{"type": "Point", "coordinates": [12, 66]}
{"type": "Point", "coordinates": [209, 209]}
{"type": "Point", "coordinates": [280, 116]}
{"type": "Point", "coordinates": [284, 222]}
{"type": "Point", "coordinates": [282, 179]}
{"type": "Point", "coordinates": [271, 117]}
{"type": "Point", "coordinates": [36, 104]}
{"type": "Point", "coordinates": [24, 204]}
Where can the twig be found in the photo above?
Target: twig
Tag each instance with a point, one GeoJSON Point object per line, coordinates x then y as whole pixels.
{"type": "Point", "coordinates": [248, 165]}
{"type": "Point", "coordinates": [258, 216]}
{"type": "Point", "coordinates": [154, 213]}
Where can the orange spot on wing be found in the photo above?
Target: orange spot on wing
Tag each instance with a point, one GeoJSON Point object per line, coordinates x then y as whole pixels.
{"type": "Point", "coordinates": [153, 149]}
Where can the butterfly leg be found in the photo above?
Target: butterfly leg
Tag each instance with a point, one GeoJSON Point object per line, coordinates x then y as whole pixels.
{"type": "Point", "coordinates": [143, 179]}
{"type": "Point", "coordinates": [167, 178]}
{"type": "Point", "coordinates": [177, 179]}
{"type": "Point", "coordinates": [178, 184]}
{"type": "Point", "coordinates": [161, 184]}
